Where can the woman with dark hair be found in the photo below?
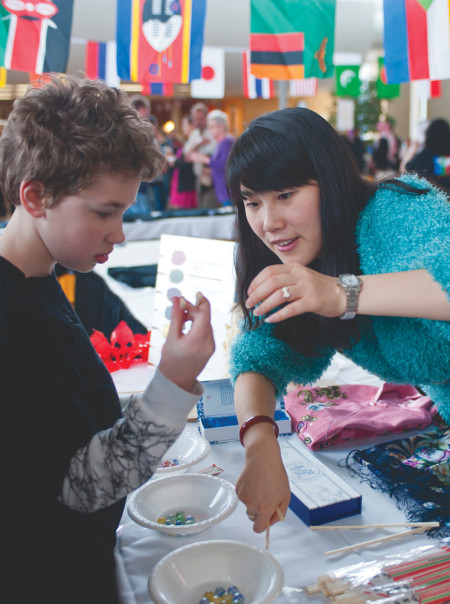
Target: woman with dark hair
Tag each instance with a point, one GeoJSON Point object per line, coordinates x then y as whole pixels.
{"type": "Point", "coordinates": [318, 245]}
{"type": "Point", "coordinates": [433, 162]}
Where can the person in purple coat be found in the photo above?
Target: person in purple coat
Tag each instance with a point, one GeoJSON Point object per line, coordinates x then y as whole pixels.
{"type": "Point", "coordinates": [218, 126]}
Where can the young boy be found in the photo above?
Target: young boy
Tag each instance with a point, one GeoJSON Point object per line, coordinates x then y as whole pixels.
{"type": "Point", "coordinates": [72, 156]}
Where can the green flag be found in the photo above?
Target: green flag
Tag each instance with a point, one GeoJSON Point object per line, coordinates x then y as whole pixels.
{"type": "Point", "coordinates": [384, 90]}
{"type": "Point", "coordinates": [272, 20]}
{"type": "Point", "coordinates": [347, 80]}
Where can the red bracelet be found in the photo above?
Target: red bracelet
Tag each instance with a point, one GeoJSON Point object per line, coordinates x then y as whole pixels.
{"type": "Point", "coordinates": [256, 420]}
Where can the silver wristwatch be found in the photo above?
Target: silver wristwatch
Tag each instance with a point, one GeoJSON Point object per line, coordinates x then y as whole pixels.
{"type": "Point", "coordinates": [352, 286]}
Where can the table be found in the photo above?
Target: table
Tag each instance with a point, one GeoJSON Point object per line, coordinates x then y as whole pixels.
{"type": "Point", "coordinates": [299, 550]}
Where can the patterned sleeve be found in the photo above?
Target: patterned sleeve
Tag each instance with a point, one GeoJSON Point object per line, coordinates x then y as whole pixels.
{"type": "Point", "coordinates": [258, 351]}
{"type": "Point", "coordinates": [120, 459]}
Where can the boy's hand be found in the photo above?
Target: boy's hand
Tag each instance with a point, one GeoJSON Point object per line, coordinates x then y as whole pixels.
{"type": "Point", "coordinates": [183, 355]}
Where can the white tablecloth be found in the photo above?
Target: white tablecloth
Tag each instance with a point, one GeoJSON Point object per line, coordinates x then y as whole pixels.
{"type": "Point", "coordinates": [299, 550]}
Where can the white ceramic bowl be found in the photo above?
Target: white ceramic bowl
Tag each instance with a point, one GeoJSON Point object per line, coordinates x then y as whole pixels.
{"type": "Point", "coordinates": [185, 574]}
{"type": "Point", "coordinates": [208, 498]}
{"type": "Point", "coordinates": [189, 448]}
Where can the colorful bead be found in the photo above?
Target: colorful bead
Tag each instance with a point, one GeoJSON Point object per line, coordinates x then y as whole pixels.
{"type": "Point", "coordinates": [221, 596]}
{"type": "Point", "coordinates": [167, 463]}
{"type": "Point", "coordinates": [179, 518]}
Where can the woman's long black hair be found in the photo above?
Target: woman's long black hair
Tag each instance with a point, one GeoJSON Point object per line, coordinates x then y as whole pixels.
{"type": "Point", "coordinates": [291, 148]}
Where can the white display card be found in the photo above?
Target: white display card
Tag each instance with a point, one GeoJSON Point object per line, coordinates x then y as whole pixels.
{"type": "Point", "coordinates": [187, 265]}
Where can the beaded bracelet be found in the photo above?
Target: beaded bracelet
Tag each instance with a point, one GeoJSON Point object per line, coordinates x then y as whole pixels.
{"type": "Point", "coordinates": [256, 419]}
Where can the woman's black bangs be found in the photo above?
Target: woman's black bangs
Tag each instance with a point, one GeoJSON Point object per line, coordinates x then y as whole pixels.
{"type": "Point", "coordinates": [265, 163]}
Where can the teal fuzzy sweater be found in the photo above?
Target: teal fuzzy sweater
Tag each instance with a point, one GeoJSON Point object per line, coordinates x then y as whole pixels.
{"type": "Point", "coordinates": [396, 232]}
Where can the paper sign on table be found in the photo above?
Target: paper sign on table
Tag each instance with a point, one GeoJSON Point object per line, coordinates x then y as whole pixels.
{"type": "Point", "coordinates": [187, 265]}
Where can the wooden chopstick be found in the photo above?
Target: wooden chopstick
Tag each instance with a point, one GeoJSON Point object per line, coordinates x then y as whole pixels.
{"type": "Point", "coordinates": [281, 517]}
{"type": "Point", "coordinates": [333, 527]}
{"type": "Point", "coordinates": [413, 531]}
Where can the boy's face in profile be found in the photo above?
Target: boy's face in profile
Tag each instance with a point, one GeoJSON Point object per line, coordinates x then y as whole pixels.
{"type": "Point", "coordinates": [81, 230]}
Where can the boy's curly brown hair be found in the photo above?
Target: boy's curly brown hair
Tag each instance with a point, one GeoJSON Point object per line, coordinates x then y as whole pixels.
{"type": "Point", "coordinates": [66, 130]}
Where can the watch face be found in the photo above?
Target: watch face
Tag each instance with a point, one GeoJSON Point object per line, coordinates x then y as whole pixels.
{"type": "Point", "coordinates": [350, 280]}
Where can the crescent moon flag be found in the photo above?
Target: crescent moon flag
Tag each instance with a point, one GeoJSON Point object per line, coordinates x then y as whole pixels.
{"type": "Point", "coordinates": [160, 40]}
{"type": "Point", "coordinates": [347, 80]}
{"type": "Point", "coordinates": [35, 35]}
{"type": "Point", "coordinates": [416, 40]}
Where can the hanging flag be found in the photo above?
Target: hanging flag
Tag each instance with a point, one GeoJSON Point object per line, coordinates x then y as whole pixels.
{"type": "Point", "coordinates": [101, 62]}
{"type": "Point", "coordinates": [292, 39]}
{"type": "Point", "coordinates": [160, 89]}
{"type": "Point", "coordinates": [305, 88]}
{"type": "Point", "coordinates": [35, 35]}
{"type": "Point", "coordinates": [211, 85]}
{"type": "Point", "coordinates": [348, 82]}
{"type": "Point", "coordinates": [255, 88]}
{"type": "Point", "coordinates": [385, 90]}
{"type": "Point", "coordinates": [416, 40]}
{"type": "Point", "coordinates": [160, 40]}
{"type": "Point", "coordinates": [427, 89]}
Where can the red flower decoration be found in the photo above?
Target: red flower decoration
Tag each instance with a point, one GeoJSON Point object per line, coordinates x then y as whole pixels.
{"type": "Point", "coordinates": [124, 350]}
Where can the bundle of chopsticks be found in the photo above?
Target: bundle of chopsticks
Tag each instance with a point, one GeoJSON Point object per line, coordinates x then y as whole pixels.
{"type": "Point", "coordinates": [418, 575]}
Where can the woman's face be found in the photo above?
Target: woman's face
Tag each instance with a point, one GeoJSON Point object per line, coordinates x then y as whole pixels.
{"type": "Point", "coordinates": [288, 222]}
{"type": "Point", "coordinates": [186, 127]}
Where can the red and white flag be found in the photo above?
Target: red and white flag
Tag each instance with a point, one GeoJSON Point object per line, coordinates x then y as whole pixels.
{"type": "Point", "coordinates": [307, 87]}
{"type": "Point", "coordinates": [212, 83]}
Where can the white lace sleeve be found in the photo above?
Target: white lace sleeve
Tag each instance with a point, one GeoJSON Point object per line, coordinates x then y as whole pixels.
{"type": "Point", "coordinates": [118, 460]}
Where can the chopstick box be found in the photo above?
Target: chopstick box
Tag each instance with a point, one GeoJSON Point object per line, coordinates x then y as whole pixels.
{"type": "Point", "coordinates": [318, 495]}
{"type": "Point", "coordinates": [217, 421]}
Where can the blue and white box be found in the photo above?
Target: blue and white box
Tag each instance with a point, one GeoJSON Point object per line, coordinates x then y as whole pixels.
{"type": "Point", "coordinates": [318, 495]}
{"type": "Point", "coordinates": [217, 421]}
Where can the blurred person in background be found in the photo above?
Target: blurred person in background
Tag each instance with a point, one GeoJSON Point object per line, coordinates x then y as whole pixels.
{"type": "Point", "coordinates": [433, 161]}
{"type": "Point", "coordinates": [202, 141]}
{"type": "Point", "coordinates": [218, 126]}
{"type": "Point", "coordinates": [182, 189]}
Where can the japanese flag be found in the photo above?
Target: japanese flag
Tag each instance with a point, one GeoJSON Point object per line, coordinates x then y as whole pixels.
{"type": "Point", "coordinates": [212, 83]}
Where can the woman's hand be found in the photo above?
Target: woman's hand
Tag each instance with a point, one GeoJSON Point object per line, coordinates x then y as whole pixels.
{"type": "Point", "coordinates": [299, 289]}
{"type": "Point", "coordinates": [184, 355]}
{"type": "Point", "coordinates": [263, 485]}
{"type": "Point", "coordinates": [411, 293]}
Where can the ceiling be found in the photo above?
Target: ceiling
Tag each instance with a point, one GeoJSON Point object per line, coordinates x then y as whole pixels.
{"type": "Point", "coordinates": [358, 30]}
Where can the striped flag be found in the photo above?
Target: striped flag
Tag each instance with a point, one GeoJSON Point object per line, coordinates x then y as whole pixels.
{"type": "Point", "coordinates": [101, 62]}
{"type": "Point", "coordinates": [292, 39]}
{"type": "Point", "coordinates": [255, 88]}
{"type": "Point", "coordinates": [428, 89]}
{"type": "Point", "coordinates": [416, 40]}
{"type": "Point", "coordinates": [304, 88]}
{"type": "Point", "coordinates": [35, 35]}
{"type": "Point", "coordinates": [160, 89]}
{"type": "Point", "coordinates": [160, 40]}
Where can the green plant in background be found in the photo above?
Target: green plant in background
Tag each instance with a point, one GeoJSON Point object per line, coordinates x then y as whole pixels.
{"type": "Point", "coordinates": [368, 108]}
